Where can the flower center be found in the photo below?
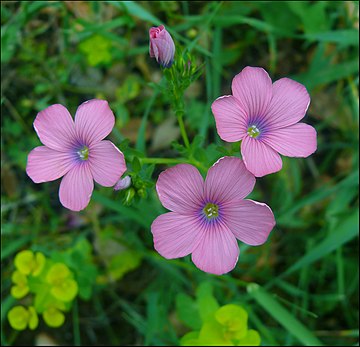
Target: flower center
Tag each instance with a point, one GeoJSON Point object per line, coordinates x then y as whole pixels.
{"type": "Point", "coordinates": [253, 131]}
{"type": "Point", "coordinates": [211, 210]}
{"type": "Point", "coordinates": [83, 153]}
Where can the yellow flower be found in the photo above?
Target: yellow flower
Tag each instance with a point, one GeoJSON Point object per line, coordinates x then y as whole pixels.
{"type": "Point", "coordinates": [29, 263]}
{"type": "Point", "coordinates": [228, 327]}
{"type": "Point", "coordinates": [64, 287]}
{"type": "Point", "coordinates": [21, 288]}
{"type": "Point", "coordinates": [19, 318]}
{"type": "Point", "coordinates": [233, 318]}
{"type": "Point", "coordinates": [53, 317]}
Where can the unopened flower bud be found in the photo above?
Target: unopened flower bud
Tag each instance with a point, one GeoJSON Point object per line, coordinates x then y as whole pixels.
{"type": "Point", "coordinates": [123, 183]}
{"type": "Point", "coordinates": [162, 46]}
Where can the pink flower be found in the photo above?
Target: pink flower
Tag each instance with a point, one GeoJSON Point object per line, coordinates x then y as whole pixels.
{"type": "Point", "coordinates": [161, 46]}
{"type": "Point", "coordinates": [265, 117]}
{"type": "Point", "coordinates": [76, 151]}
{"type": "Point", "coordinates": [207, 217]}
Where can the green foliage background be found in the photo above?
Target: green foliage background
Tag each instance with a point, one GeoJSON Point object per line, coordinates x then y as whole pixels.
{"type": "Point", "coordinates": [306, 275]}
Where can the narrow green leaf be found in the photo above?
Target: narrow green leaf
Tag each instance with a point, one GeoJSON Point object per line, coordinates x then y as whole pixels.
{"type": "Point", "coordinates": [328, 74]}
{"type": "Point", "coordinates": [128, 213]}
{"type": "Point", "coordinates": [140, 141]}
{"type": "Point", "coordinates": [5, 306]}
{"type": "Point", "coordinates": [282, 315]}
{"type": "Point", "coordinates": [13, 246]}
{"type": "Point", "coordinates": [346, 37]}
{"type": "Point", "coordinates": [138, 11]}
{"type": "Point", "coordinates": [345, 231]}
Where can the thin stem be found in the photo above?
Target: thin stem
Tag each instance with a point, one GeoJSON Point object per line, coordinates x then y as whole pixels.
{"type": "Point", "coordinates": [173, 161]}
{"type": "Point", "coordinates": [163, 160]}
{"type": "Point", "coordinates": [77, 339]}
{"type": "Point", "coordinates": [179, 114]}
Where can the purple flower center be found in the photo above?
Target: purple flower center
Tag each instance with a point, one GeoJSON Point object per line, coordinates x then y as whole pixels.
{"type": "Point", "coordinates": [211, 210]}
{"type": "Point", "coordinates": [253, 131]}
{"type": "Point", "coordinates": [83, 153]}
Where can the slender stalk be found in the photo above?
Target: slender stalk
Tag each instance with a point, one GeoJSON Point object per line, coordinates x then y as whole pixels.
{"type": "Point", "coordinates": [76, 327]}
{"type": "Point", "coordinates": [174, 161]}
{"type": "Point", "coordinates": [163, 160]}
{"type": "Point", "coordinates": [179, 115]}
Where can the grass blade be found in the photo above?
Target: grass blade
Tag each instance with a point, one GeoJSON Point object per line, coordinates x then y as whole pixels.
{"type": "Point", "coordinates": [282, 315]}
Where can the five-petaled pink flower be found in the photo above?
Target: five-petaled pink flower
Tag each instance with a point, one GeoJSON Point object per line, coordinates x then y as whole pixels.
{"type": "Point", "coordinates": [161, 46]}
{"type": "Point", "coordinates": [265, 117]}
{"type": "Point", "coordinates": [76, 151]}
{"type": "Point", "coordinates": [207, 217]}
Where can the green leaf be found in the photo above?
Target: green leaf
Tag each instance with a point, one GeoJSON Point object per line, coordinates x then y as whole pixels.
{"type": "Point", "coordinates": [328, 74]}
{"type": "Point", "coordinates": [187, 311]}
{"type": "Point", "coordinates": [5, 306]}
{"type": "Point", "coordinates": [13, 246]}
{"type": "Point", "coordinates": [136, 165]}
{"type": "Point", "coordinates": [191, 339]}
{"type": "Point", "coordinates": [282, 315]}
{"type": "Point", "coordinates": [138, 11]}
{"type": "Point", "coordinates": [123, 263]}
{"type": "Point", "coordinates": [346, 230]}
{"type": "Point", "coordinates": [206, 302]}
{"type": "Point", "coordinates": [346, 37]}
{"type": "Point", "coordinates": [350, 182]}
{"type": "Point", "coordinates": [127, 213]}
{"type": "Point", "coordinates": [313, 15]}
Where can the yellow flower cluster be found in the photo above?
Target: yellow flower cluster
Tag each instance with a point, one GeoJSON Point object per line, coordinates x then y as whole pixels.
{"type": "Point", "coordinates": [52, 284]}
{"type": "Point", "coordinates": [227, 327]}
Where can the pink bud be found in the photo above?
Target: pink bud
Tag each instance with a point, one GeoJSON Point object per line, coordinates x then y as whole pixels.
{"type": "Point", "coordinates": [123, 183]}
{"type": "Point", "coordinates": [162, 46]}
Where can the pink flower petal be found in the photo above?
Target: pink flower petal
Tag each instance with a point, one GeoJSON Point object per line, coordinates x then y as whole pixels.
{"type": "Point", "coordinates": [228, 180]}
{"type": "Point", "coordinates": [76, 187]}
{"type": "Point", "coordinates": [55, 127]}
{"type": "Point", "coordinates": [218, 251]}
{"type": "Point", "coordinates": [180, 188]}
{"type": "Point", "coordinates": [252, 88]}
{"type": "Point", "coordinates": [161, 46]}
{"type": "Point", "coordinates": [45, 164]}
{"type": "Point", "coordinates": [259, 158]}
{"type": "Point", "coordinates": [289, 103]}
{"type": "Point", "coordinates": [176, 235]}
{"type": "Point", "coordinates": [153, 51]}
{"type": "Point", "coordinates": [94, 120]}
{"type": "Point", "coordinates": [250, 221]}
{"type": "Point", "coordinates": [231, 121]}
{"type": "Point", "coordinates": [165, 51]}
{"type": "Point", "coordinates": [298, 140]}
{"type": "Point", "coordinates": [106, 163]}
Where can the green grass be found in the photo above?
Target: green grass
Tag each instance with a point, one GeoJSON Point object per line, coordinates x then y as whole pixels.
{"type": "Point", "coordinates": [306, 274]}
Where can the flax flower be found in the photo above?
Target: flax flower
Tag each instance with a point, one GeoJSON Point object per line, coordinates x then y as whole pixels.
{"type": "Point", "coordinates": [265, 116]}
{"type": "Point", "coordinates": [161, 46]}
{"type": "Point", "coordinates": [76, 150]}
{"type": "Point", "coordinates": [207, 217]}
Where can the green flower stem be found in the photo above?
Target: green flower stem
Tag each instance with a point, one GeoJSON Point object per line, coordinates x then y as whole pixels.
{"type": "Point", "coordinates": [179, 115]}
{"type": "Point", "coordinates": [76, 327]}
{"type": "Point", "coordinates": [174, 161]}
{"type": "Point", "coordinates": [177, 91]}
{"type": "Point", "coordinates": [163, 160]}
